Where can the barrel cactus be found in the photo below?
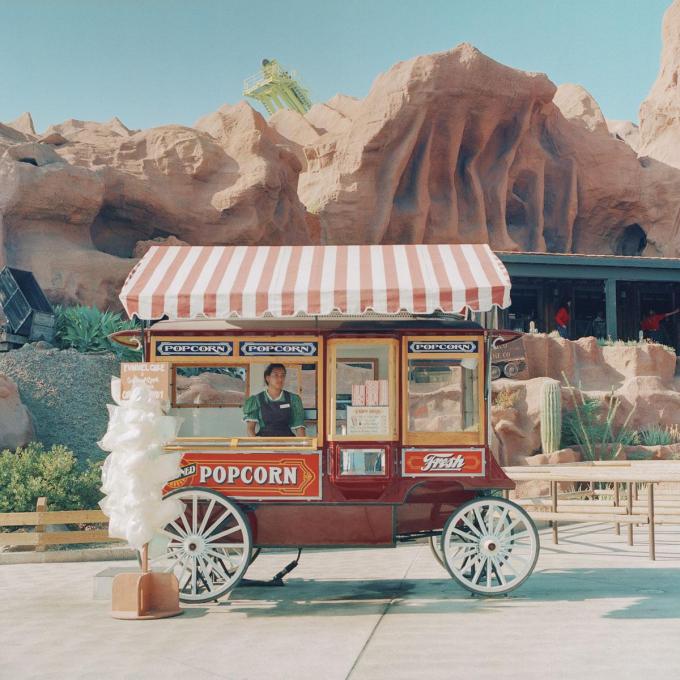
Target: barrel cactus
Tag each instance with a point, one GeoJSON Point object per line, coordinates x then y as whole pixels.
{"type": "Point", "coordinates": [551, 416]}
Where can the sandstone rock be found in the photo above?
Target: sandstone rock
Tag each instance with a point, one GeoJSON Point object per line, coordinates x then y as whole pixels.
{"type": "Point", "coordinates": [660, 112]}
{"type": "Point", "coordinates": [456, 147]}
{"type": "Point", "coordinates": [555, 458]}
{"type": "Point", "coordinates": [16, 426]}
{"type": "Point", "coordinates": [595, 367]}
{"type": "Point", "coordinates": [142, 247]}
{"type": "Point", "coordinates": [577, 104]}
{"type": "Point", "coordinates": [626, 131]}
{"type": "Point", "coordinates": [24, 123]}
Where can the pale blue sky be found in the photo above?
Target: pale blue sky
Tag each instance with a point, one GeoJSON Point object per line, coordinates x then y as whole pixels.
{"type": "Point", "coordinates": [152, 62]}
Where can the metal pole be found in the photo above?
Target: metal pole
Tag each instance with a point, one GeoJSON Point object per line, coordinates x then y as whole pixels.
{"type": "Point", "coordinates": [553, 491]}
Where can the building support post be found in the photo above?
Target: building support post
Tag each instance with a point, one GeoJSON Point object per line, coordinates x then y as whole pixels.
{"type": "Point", "coordinates": [610, 304]}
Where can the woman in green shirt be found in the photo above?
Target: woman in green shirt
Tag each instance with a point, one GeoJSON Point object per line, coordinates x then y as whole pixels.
{"type": "Point", "coordinates": [275, 412]}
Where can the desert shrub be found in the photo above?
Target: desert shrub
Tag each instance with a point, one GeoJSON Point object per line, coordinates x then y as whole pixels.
{"type": "Point", "coordinates": [591, 428]}
{"type": "Point", "coordinates": [86, 329]}
{"type": "Point", "coordinates": [655, 435]}
{"type": "Point", "coordinates": [33, 471]}
{"type": "Point", "coordinates": [639, 455]}
{"type": "Point", "coordinates": [505, 399]}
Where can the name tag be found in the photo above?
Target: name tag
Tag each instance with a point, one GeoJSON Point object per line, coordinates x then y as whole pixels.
{"type": "Point", "coordinates": [284, 406]}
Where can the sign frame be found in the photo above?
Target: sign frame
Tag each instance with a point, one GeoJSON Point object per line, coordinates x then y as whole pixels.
{"type": "Point", "coordinates": [451, 451]}
{"type": "Point", "coordinates": [127, 376]}
{"type": "Point", "coordinates": [311, 460]}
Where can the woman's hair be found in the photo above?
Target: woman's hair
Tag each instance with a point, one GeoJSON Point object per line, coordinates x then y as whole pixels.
{"type": "Point", "coordinates": [270, 368]}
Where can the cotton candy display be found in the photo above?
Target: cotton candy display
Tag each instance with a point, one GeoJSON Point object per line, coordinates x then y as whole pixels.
{"type": "Point", "coordinates": [137, 468]}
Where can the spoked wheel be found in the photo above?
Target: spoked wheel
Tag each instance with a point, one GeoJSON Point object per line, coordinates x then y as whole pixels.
{"type": "Point", "coordinates": [208, 547]}
{"type": "Point", "coordinates": [490, 546]}
{"type": "Point", "coordinates": [436, 548]}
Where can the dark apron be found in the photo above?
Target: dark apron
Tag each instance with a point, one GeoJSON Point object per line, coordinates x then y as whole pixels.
{"type": "Point", "coordinates": [276, 419]}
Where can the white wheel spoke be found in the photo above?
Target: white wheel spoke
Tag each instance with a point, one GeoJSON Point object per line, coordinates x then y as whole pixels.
{"type": "Point", "coordinates": [466, 537]}
{"type": "Point", "coordinates": [472, 527]}
{"type": "Point", "coordinates": [227, 532]}
{"type": "Point", "coordinates": [214, 526]}
{"type": "Point", "coordinates": [481, 523]}
{"type": "Point", "coordinates": [208, 513]}
{"type": "Point", "coordinates": [185, 524]}
{"type": "Point", "coordinates": [193, 577]}
{"type": "Point", "coordinates": [225, 545]}
{"type": "Point", "coordinates": [194, 512]}
{"type": "Point", "coordinates": [177, 529]}
{"type": "Point", "coordinates": [499, 571]}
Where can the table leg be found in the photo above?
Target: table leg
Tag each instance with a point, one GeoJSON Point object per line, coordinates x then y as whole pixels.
{"type": "Point", "coordinates": [553, 491]}
{"type": "Point", "coordinates": [629, 510]}
{"type": "Point", "coordinates": [650, 512]}
{"type": "Point", "coordinates": [617, 501]}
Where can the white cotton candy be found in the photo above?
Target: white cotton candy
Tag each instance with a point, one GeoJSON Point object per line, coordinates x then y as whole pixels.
{"type": "Point", "coordinates": [137, 469]}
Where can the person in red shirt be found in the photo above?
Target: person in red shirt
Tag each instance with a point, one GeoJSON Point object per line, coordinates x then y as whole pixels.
{"type": "Point", "coordinates": [562, 318]}
{"type": "Point", "coordinates": [651, 325]}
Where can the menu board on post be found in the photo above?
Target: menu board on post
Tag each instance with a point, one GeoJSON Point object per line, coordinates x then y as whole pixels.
{"type": "Point", "coordinates": [368, 420]}
{"type": "Point", "coordinates": [156, 375]}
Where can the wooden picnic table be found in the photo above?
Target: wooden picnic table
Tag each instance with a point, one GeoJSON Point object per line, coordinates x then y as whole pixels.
{"type": "Point", "coordinates": [586, 505]}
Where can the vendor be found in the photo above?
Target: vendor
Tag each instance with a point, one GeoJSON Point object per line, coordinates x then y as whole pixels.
{"type": "Point", "coordinates": [274, 412]}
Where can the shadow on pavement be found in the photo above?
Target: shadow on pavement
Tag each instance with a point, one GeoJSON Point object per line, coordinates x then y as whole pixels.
{"type": "Point", "coordinates": [635, 594]}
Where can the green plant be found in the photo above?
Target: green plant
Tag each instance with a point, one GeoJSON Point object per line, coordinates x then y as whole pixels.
{"type": "Point", "coordinates": [87, 329]}
{"type": "Point", "coordinates": [32, 471]}
{"type": "Point", "coordinates": [639, 455]}
{"type": "Point", "coordinates": [655, 435]}
{"type": "Point", "coordinates": [592, 430]}
{"type": "Point", "coordinates": [551, 416]}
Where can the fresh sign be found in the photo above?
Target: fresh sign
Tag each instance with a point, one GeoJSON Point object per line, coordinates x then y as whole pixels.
{"type": "Point", "coordinates": [443, 462]}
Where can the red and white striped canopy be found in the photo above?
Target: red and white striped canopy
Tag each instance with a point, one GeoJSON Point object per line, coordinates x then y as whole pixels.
{"type": "Point", "coordinates": [190, 282]}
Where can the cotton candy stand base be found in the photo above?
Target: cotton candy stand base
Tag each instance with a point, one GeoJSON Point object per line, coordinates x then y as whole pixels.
{"type": "Point", "coordinates": [134, 475]}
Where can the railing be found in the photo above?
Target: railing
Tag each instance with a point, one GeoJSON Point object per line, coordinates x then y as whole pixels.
{"type": "Point", "coordinates": [42, 518]}
{"type": "Point", "coordinates": [259, 443]}
{"type": "Point", "coordinates": [616, 492]}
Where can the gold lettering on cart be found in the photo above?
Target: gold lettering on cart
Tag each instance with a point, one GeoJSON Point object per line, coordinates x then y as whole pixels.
{"type": "Point", "coordinates": [248, 474]}
{"type": "Point", "coordinates": [442, 461]}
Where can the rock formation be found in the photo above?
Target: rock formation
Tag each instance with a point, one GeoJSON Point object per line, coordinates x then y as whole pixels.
{"type": "Point", "coordinates": [450, 147]}
{"type": "Point", "coordinates": [641, 376]}
{"type": "Point", "coordinates": [660, 112]}
{"type": "Point", "coordinates": [16, 425]}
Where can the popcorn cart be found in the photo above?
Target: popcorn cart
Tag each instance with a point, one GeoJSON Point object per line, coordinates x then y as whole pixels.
{"type": "Point", "coordinates": [378, 391]}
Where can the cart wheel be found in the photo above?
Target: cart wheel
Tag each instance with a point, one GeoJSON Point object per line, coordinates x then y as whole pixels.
{"type": "Point", "coordinates": [510, 370]}
{"type": "Point", "coordinates": [495, 372]}
{"type": "Point", "coordinates": [436, 548]}
{"type": "Point", "coordinates": [490, 546]}
{"type": "Point", "coordinates": [208, 547]}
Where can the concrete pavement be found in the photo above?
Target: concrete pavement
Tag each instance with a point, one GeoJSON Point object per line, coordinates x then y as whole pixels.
{"type": "Point", "coordinates": [593, 608]}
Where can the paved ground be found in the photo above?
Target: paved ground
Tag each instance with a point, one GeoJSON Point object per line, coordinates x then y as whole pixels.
{"type": "Point", "coordinates": [594, 608]}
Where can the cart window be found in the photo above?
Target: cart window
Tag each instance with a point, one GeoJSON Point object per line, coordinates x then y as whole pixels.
{"type": "Point", "coordinates": [443, 395]}
{"type": "Point", "coordinates": [363, 389]}
{"type": "Point", "coordinates": [362, 462]}
{"type": "Point", "coordinates": [210, 386]}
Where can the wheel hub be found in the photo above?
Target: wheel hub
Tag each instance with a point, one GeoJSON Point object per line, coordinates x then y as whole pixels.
{"type": "Point", "coordinates": [194, 545]}
{"type": "Point", "coordinates": [490, 546]}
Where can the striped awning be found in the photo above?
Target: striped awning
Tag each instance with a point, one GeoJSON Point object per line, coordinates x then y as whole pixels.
{"type": "Point", "coordinates": [191, 282]}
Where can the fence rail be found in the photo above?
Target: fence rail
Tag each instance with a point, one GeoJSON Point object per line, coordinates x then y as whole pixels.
{"type": "Point", "coordinates": [43, 518]}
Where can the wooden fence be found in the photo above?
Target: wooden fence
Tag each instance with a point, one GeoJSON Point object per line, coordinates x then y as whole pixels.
{"type": "Point", "coordinates": [40, 537]}
{"type": "Point", "coordinates": [616, 492]}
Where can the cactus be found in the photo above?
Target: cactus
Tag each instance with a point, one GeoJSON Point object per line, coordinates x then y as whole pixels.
{"type": "Point", "coordinates": [551, 416]}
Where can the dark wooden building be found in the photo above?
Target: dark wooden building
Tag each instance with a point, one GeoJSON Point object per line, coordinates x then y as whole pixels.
{"type": "Point", "coordinates": [610, 295]}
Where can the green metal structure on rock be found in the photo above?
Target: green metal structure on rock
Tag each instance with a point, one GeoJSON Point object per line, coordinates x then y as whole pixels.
{"type": "Point", "coordinates": [275, 88]}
